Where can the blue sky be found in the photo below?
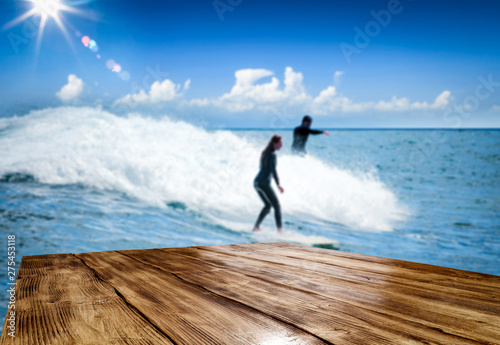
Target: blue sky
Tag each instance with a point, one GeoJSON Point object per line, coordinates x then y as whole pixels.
{"type": "Point", "coordinates": [253, 63]}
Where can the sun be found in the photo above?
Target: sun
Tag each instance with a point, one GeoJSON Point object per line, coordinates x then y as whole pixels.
{"type": "Point", "coordinates": [47, 8]}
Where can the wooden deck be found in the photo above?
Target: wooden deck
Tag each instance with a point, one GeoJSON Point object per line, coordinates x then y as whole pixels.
{"type": "Point", "coordinates": [249, 294]}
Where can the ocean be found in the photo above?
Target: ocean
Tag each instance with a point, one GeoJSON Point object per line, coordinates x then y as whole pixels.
{"type": "Point", "coordinates": [79, 179]}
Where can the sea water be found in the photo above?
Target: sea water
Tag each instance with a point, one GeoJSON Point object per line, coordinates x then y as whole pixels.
{"type": "Point", "coordinates": [75, 179]}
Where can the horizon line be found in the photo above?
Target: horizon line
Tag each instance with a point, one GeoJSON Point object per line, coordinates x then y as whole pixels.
{"type": "Point", "coordinates": [363, 129]}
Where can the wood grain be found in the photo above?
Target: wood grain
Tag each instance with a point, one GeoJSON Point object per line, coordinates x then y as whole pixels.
{"type": "Point", "coordinates": [59, 300]}
{"type": "Point", "coordinates": [188, 313]}
{"type": "Point", "coordinates": [344, 299]}
{"type": "Point", "coordinates": [275, 293]}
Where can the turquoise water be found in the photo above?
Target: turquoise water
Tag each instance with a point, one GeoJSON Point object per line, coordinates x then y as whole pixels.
{"type": "Point", "coordinates": [83, 179]}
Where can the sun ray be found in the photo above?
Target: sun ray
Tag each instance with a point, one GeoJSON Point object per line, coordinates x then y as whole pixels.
{"type": "Point", "coordinates": [47, 10]}
{"type": "Point", "coordinates": [65, 32]}
{"type": "Point", "coordinates": [19, 19]}
{"type": "Point", "coordinates": [39, 36]}
{"type": "Point", "coordinates": [73, 10]}
{"type": "Point", "coordinates": [43, 11]}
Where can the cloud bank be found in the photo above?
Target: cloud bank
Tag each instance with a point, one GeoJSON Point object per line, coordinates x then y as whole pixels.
{"type": "Point", "coordinates": [261, 90]}
{"type": "Point", "coordinates": [248, 94]}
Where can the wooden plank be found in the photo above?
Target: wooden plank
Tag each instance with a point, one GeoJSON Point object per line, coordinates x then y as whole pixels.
{"type": "Point", "coordinates": [361, 267]}
{"type": "Point", "coordinates": [429, 298]}
{"type": "Point", "coordinates": [445, 276]}
{"type": "Point", "coordinates": [364, 313]}
{"type": "Point", "coordinates": [188, 313]}
{"type": "Point", "coordinates": [60, 301]}
{"type": "Point", "coordinates": [461, 311]}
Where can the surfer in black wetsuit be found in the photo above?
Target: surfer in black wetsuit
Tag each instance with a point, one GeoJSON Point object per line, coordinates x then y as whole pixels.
{"type": "Point", "coordinates": [301, 133]}
{"type": "Point", "coordinates": [262, 183]}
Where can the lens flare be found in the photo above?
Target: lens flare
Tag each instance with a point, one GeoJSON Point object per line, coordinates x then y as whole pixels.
{"type": "Point", "coordinates": [43, 11]}
{"type": "Point", "coordinates": [86, 40]}
{"type": "Point", "coordinates": [93, 46]}
{"type": "Point", "coordinates": [90, 43]}
{"type": "Point", "coordinates": [110, 64]}
{"type": "Point", "coordinates": [124, 75]}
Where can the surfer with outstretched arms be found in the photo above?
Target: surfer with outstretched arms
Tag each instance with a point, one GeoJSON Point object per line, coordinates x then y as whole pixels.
{"type": "Point", "coordinates": [301, 133]}
{"type": "Point", "coordinates": [262, 183]}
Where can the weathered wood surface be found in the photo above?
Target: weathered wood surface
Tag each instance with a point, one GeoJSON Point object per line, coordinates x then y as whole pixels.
{"type": "Point", "coordinates": [250, 294]}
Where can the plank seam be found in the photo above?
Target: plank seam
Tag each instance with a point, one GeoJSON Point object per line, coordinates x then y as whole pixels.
{"type": "Point", "coordinates": [231, 299]}
{"type": "Point", "coordinates": [468, 275]}
{"type": "Point", "coordinates": [368, 258]}
{"type": "Point", "coordinates": [394, 317]}
{"type": "Point", "coordinates": [432, 284]}
{"type": "Point", "coordinates": [420, 324]}
{"type": "Point", "coordinates": [128, 303]}
{"type": "Point", "coordinates": [253, 308]}
{"type": "Point", "coordinates": [258, 277]}
{"type": "Point", "coordinates": [295, 326]}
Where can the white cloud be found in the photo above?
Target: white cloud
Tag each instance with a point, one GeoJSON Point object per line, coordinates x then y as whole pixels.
{"type": "Point", "coordinates": [72, 90]}
{"type": "Point", "coordinates": [440, 102]}
{"type": "Point", "coordinates": [329, 102]}
{"type": "Point", "coordinates": [326, 95]}
{"type": "Point", "coordinates": [336, 78]}
{"type": "Point", "coordinates": [248, 94]}
{"type": "Point", "coordinates": [395, 104]}
{"type": "Point", "coordinates": [165, 91]}
{"type": "Point", "coordinates": [294, 90]}
{"type": "Point", "coordinates": [495, 108]}
{"type": "Point", "coordinates": [245, 94]}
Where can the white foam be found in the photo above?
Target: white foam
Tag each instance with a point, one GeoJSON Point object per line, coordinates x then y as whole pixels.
{"type": "Point", "coordinates": [293, 236]}
{"type": "Point", "coordinates": [160, 161]}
